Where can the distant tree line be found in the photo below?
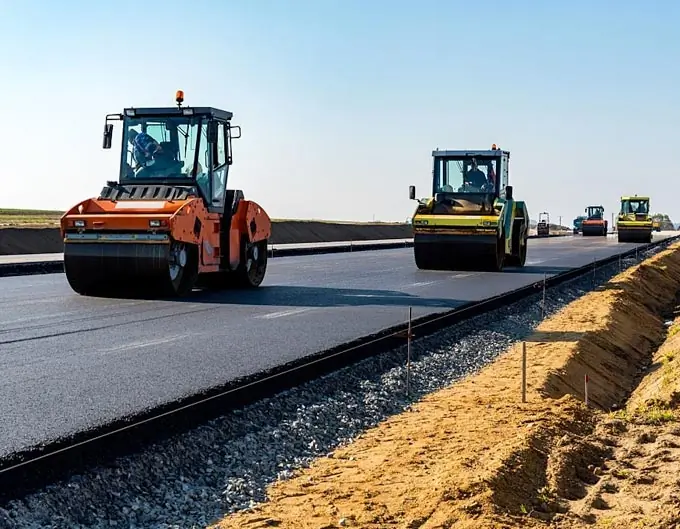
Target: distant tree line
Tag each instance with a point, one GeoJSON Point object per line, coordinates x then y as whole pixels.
{"type": "Point", "coordinates": [666, 222]}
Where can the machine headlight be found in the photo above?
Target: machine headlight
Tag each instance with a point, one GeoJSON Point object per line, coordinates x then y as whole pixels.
{"type": "Point", "coordinates": [155, 223]}
{"type": "Point", "coordinates": [79, 223]}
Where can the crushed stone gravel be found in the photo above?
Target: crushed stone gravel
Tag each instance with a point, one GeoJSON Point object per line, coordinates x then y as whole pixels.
{"type": "Point", "coordinates": [195, 478]}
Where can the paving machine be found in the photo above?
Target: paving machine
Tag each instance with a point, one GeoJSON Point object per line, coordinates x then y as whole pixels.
{"type": "Point", "coordinates": [656, 223]}
{"type": "Point", "coordinates": [634, 223]}
{"type": "Point", "coordinates": [578, 221]}
{"type": "Point", "coordinates": [471, 221]}
{"type": "Point", "coordinates": [168, 223]}
{"type": "Point", "coordinates": [543, 225]}
{"type": "Point", "coordinates": [594, 223]}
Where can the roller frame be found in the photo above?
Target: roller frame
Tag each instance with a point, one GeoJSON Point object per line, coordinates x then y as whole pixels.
{"type": "Point", "coordinates": [632, 227]}
{"type": "Point", "coordinates": [124, 261]}
{"type": "Point", "coordinates": [140, 225]}
{"type": "Point", "coordinates": [469, 246]}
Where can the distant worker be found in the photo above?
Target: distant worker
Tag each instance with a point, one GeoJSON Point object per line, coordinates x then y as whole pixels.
{"type": "Point", "coordinates": [144, 147]}
{"type": "Point", "coordinates": [475, 177]}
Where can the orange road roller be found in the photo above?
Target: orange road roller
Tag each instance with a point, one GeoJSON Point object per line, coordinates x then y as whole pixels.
{"type": "Point", "coordinates": [169, 223]}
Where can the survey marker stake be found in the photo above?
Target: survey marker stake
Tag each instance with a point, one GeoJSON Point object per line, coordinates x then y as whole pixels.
{"type": "Point", "coordinates": [408, 350]}
{"type": "Point", "coordinates": [594, 268]}
{"type": "Point", "coordinates": [524, 371]}
{"type": "Point", "coordinates": [586, 387]}
{"type": "Point", "coordinates": [545, 278]}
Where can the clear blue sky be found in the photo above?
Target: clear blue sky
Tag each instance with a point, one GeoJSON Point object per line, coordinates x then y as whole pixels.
{"type": "Point", "coordinates": [341, 102]}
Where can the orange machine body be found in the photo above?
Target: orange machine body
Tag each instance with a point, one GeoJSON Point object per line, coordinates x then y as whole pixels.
{"type": "Point", "coordinates": [178, 219]}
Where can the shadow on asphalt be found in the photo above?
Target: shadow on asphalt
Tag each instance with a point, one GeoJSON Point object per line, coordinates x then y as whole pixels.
{"type": "Point", "coordinates": [307, 296]}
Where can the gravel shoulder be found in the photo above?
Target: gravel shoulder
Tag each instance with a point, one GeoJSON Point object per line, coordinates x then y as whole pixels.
{"type": "Point", "coordinates": [473, 455]}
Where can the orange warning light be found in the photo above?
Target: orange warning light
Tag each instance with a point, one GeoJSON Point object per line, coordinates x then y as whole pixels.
{"type": "Point", "coordinates": [493, 147]}
{"type": "Point", "coordinates": [179, 96]}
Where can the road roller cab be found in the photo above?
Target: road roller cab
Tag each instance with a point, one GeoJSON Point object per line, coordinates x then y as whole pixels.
{"type": "Point", "coordinates": [634, 223]}
{"type": "Point", "coordinates": [543, 224]}
{"type": "Point", "coordinates": [595, 223]}
{"type": "Point", "coordinates": [471, 220]}
{"type": "Point", "coordinates": [168, 222]}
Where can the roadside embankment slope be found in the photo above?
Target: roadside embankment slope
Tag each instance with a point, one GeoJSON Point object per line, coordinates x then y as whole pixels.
{"type": "Point", "coordinates": [38, 234]}
{"type": "Point", "coordinates": [27, 240]}
{"type": "Point", "coordinates": [474, 455]}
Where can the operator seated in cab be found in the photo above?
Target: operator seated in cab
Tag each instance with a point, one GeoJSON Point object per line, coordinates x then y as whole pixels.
{"type": "Point", "coordinates": [476, 181]}
{"type": "Point", "coordinates": [149, 155]}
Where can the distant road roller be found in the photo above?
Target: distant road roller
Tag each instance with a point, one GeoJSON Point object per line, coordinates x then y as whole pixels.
{"type": "Point", "coordinates": [543, 224]}
{"type": "Point", "coordinates": [594, 223]}
{"type": "Point", "coordinates": [634, 223]}
{"type": "Point", "coordinates": [471, 221]}
{"type": "Point", "coordinates": [168, 223]}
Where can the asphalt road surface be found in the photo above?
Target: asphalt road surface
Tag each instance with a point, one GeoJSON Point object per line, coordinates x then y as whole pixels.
{"type": "Point", "coordinates": [69, 362]}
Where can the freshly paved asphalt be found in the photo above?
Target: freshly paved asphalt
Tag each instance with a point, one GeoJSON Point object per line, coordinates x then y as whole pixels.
{"type": "Point", "coordinates": [69, 362]}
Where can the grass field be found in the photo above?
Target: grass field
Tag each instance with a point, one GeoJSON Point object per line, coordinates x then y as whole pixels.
{"type": "Point", "coordinates": [29, 218]}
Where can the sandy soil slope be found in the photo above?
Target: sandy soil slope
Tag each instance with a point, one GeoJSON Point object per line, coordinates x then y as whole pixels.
{"type": "Point", "coordinates": [474, 455]}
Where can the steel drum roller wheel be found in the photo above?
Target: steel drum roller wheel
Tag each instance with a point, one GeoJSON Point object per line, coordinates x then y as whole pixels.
{"type": "Point", "coordinates": [422, 256]}
{"type": "Point", "coordinates": [122, 269]}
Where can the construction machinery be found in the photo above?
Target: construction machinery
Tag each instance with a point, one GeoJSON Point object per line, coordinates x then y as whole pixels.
{"type": "Point", "coordinates": [634, 223]}
{"type": "Point", "coordinates": [656, 223]}
{"type": "Point", "coordinates": [578, 221]}
{"type": "Point", "coordinates": [168, 223]}
{"type": "Point", "coordinates": [543, 225]}
{"type": "Point", "coordinates": [471, 221]}
{"type": "Point", "coordinates": [594, 223]}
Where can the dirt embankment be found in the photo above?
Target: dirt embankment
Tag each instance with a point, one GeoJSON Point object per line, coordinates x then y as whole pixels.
{"type": "Point", "coordinates": [474, 456]}
{"type": "Point", "coordinates": [14, 241]}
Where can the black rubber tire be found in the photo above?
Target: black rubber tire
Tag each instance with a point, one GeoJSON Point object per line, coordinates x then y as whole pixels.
{"type": "Point", "coordinates": [186, 278]}
{"type": "Point", "coordinates": [253, 267]}
{"type": "Point", "coordinates": [519, 252]}
{"type": "Point", "coordinates": [497, 261]}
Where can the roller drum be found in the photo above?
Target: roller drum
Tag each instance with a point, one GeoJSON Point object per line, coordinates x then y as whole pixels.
{"type": "Point", "coordinates": [464, 252]}
{"type": "Point", "coordinates": [107, 268]}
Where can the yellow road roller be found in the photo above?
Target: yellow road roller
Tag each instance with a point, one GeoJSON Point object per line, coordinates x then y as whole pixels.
{"type": "Point", "coordinates": [634, 223]}
{"type": "Point", "coordinates": [471, 220]}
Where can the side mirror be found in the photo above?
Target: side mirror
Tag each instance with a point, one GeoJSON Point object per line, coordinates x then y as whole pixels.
{"type": "Point", "coordinates": [108, 136]}
{"type": "Point", "coordinates": [233, 129]}
{"type": "Point", "coordinates": [212, 132]}
{"type": "Point", "coordinates": [412, 192]}
{"type": "Point", "coordinates": [508, 192]}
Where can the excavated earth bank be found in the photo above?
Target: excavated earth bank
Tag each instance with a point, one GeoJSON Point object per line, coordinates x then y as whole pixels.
{"type": "Point", "coordinates": [47, 240]}
{"type": "Point", "coordinates": [474, 456]}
